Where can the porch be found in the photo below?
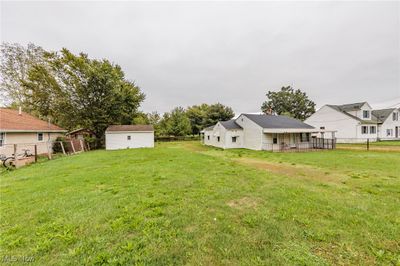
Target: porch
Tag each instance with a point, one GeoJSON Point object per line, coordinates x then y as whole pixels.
{"type": "Point", "coordinates": [296, 142]}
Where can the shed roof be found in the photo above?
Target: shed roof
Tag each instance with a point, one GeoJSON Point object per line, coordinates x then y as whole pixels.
{"type": "Point", "coordinates": [130, 128]}
{"type": "Point", "coordinates": [277, 121]}
{"type": "Point", "coordinates": [12, 121]}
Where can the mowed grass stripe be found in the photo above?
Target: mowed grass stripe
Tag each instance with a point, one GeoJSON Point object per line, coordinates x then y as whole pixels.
{"type": "Point", "coordinates": [174, 205]}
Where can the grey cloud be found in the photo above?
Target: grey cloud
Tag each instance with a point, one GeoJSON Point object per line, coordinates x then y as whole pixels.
{"type": "Point", "coordinates": [184, 53]}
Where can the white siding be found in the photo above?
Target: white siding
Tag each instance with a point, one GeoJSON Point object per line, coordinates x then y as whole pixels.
{"type": "Point", "coordinates": [390, 124]}
{"type": "Point", "coordinates": [346, 127]}
{"type": "Point", "coordinates": [225, 137]}
{"type": "Point", "coordinates": [252, 133]}
{"type": "Point", "coordinates": [119, 140]}
{"type": "Point", "coordinates": [211, 136]}
{"type": "Point", "coordinates": [360, 113]}
{"type": "Point", "coordinates": [229, 144]}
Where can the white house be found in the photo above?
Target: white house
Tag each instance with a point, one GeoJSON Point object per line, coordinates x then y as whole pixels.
{"type": "Point", "coordinates": [129, 136]}
{"type": "Point", "coordinates": [263, 132]}
{"type": "Point", "coordinates": [357, 122]}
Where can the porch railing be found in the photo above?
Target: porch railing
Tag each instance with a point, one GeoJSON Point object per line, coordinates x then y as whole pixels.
{"type": "Point", "coordinates": [313, 144]}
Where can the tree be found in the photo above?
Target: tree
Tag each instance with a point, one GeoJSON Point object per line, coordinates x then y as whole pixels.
{"type": "Point", "coordinates": [197, 115]}
{"type": "Point", "coordinates": [218, 112]}
{"type": "Point", "coordinates": [140, 119]}
{"type": "Point", "coordinates": [175, 123]}
{"type": "Point", "coordinates": [204, 115]}
{"type": "Point", "coordinates": [76, 91]}
{"type": "Point", "coordinates": [16, 61]}
{"type": "Point", "coordinates": [288, 101]}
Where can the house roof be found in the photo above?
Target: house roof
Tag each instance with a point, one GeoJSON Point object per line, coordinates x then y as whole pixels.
{"type": "Point", "coordinates": [345, 108]}
{"type": "Point", "coordinates": [210, 127]}
{"type": "Point", "coordinates": [277, 121]}
{"type": "Point", "coordinates": [12, 121]}
{"type": "Point", "coordinates": [230, 124]}
{"type": "Point", "coordinates": [351, 106]}
{"type": "Point", "coordinates": [129, 128]}
{"type": "Point", "coordinates": [382, 114]}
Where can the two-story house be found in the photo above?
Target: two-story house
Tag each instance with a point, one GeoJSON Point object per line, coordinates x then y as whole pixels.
{"type": "Point", "coordinates": [357, 122]}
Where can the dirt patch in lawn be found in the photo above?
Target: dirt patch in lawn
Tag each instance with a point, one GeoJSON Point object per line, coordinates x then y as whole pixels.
{"type": "Point", "coordinates": [243, 203]}
{"type": "Point", "coordinates": [302, 171]}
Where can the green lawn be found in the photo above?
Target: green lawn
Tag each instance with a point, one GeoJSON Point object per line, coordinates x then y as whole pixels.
{"type": "Point", "coordinates": [183, 203]}
{"type": "Point", "coordinates": [375, 146]}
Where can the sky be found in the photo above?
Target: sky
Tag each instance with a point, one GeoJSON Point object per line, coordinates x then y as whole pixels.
{"type": "Point", "coordinates": [186, 53]}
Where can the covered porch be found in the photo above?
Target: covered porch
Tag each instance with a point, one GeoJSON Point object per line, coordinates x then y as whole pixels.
{"type": "Point", "coordinates": [293, 140]}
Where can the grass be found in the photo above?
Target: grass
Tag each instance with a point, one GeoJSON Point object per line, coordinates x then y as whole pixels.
{"type": "Point", "coordinates": [183, 203]}
{"type": "Point", "coordinates": [392, 145]}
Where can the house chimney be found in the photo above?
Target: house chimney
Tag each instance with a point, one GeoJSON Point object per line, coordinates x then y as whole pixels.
{"type": "Point", "coordinates": [20, 111]}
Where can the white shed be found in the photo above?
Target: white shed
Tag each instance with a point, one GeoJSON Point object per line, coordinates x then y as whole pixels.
{"type": "Point", "coordinates": [129, 136]}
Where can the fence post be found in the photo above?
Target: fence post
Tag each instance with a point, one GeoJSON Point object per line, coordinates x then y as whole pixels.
{"type": "Point", "coordinates": [35, 153]}
{"type": "Point", "coordinates": [62, 147]}
{"type": "Point", "coordinates": [72, 145]}
{"type": "Point", "coordinates": [367, 144]}
{"type": "Point", "coordinates": [83, 149]}
{"type": "Point", "coordinates": [48, 150]}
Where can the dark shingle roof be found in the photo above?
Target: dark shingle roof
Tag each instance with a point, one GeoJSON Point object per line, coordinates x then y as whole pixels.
{"type": "Point", "coordinates": [230, 124]}
{"type": "Point", "coordinates": [349, 108]}
{"type": "Point", "coordinates": [209, 128]}
{"type": "Point", "coordinates": [276, 121]}
{"type": "Point", "coordinates": [382, 114]}
{"type": "Point", "coordinates": [130, 128]}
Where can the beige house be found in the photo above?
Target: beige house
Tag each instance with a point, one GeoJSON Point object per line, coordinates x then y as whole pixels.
{"type": "Point", "coordinates": [25, 130]}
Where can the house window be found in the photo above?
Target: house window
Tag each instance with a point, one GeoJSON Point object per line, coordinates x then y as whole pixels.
{"type": "Point", "coordinates": [208, 137]}
{"type": "Point", "coordinates": [2, 138]}
{"type": "Point", "coordinates": [305, 137]}
{"type": "Point", "coordinates": [322, 128]}
{"type": "Point", "coordinates": [128, 137]}
{"type": "Point", "coordinates": [234, 139]}
{"type": "Point", "coordinates": [372, 129]}
{"type": "Point", "coordinates": [389, 132]}
{"type": "Point", "coordinates": [395, 116]}
{"type": "Point", "coordinates": [364, 130]}
{"type": "Point", "coordinates": [218, 139]}
{"type": "Point", "coordinates": [275, 138]}
{"type": "Point", "coordinates": [365, 114]}
{"type": "Point", "coordinates": [40, 136]}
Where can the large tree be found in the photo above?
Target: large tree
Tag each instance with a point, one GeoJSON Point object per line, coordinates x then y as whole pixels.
{"type": "Point", "coordinates": [288, 101]}
{"type": "Point", "coordinates": [197, 115]}
{"type": "Point", "coordinates": [16, 61]}
{"type": "Point", "coordinates": [175, 123]}
{"type": "Point", "coordinates": [76, 91]}
{"type": "Point", "coordinates": [204, 115]}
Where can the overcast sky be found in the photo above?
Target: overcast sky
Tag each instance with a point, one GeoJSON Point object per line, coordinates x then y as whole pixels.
{"type": "Point", "coordinates": [185, 53]}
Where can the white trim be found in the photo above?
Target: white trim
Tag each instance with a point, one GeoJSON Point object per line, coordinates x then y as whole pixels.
{"type": "Point", "coordinates": [37, 136]}
{"type": "Point", "coordinates": [295, 130]}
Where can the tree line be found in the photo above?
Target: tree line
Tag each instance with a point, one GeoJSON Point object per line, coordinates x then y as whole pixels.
{"type": "Point", "coordinates": [74, 91]}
